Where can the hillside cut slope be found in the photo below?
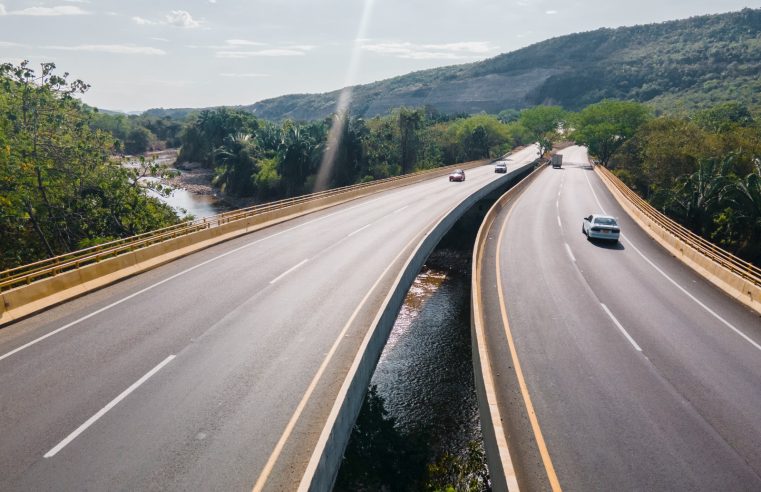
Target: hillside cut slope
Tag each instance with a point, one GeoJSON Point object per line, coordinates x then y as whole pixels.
{"type": "Point", "coordinates": [696, 62]}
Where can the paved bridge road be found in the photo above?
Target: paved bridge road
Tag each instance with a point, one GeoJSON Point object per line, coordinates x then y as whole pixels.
{"type": "Point", "coordinates": [642, 375]}
{"type": "Point", "coordinates": [201, 374]}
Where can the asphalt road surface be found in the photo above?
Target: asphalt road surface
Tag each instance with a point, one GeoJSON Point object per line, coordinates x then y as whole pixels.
{"type": "Point", "coordinates": [217, 370]}
{"type": "Point", "coordinates": [642, 376]}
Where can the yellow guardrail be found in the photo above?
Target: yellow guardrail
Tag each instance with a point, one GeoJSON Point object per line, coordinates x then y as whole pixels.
{"type": "Point", "coordinates": [737, 277]}
{"type": "Point", "coordinates": [31, 272]}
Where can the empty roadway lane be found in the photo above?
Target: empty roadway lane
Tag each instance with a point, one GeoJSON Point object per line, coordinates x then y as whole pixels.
{"type": "Point", "coordinates": [640, 375]}
{"type": "Point", "coordinates": [217, 370]}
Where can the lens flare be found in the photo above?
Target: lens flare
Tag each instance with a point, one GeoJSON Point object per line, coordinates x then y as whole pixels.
{"type": "Point", "coordinates": [335, 134]}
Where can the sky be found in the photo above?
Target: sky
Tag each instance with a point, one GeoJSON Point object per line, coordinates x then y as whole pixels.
{"type": "Point", "coordinates": [140, 54]}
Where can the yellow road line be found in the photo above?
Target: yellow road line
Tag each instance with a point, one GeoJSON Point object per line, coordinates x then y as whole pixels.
{"type": "Point", "coordinates": [551, 475]}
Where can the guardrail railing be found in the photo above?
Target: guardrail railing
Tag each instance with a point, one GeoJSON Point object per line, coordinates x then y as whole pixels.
{"type": "Point", "coordinates": [31, 272]}
{"type": "Point", "coordinates": [738, 266]}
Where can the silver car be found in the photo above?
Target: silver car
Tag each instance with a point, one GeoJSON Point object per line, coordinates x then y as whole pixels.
{"type": "Point", "coordinates": [500, 167]}
{"type": "Point", "coordinates": [601, 227]}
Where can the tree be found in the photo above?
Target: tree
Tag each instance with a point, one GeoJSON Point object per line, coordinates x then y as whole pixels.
{"type": "Point", "coordinates": [605, 126]}
{"type": "Point", "coordinates": [139, 140]}
{"type": "Point", "coordinates": [410, 121]}
{"type": "Point", "coordinates": [724, 117]}
{"type": "Point", "coordinates": [696, 197]}
{"type": "Point", "coordinates": [299, 157]}
{"type": "Point", "coordinates": [237, 165]}
{"type": "Point", "coordinates": [543, 124]}
{"type": "Point", "coordinates": [59, 190]}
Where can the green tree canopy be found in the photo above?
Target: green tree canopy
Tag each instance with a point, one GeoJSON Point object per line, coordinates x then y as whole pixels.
{"type": "Point", "coordinates": [542, 124]}
{"type": "Point", "coordinates": [58, 189]}
{"type": "Point", "coordinates": [605, 126]}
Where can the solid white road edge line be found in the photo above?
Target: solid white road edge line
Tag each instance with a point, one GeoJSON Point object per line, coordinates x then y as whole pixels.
{"type": "Point", "coordinates": [674, 282]}
{"type": "Point", "coordinates": [288, 271]}
{"type": "Point", "coordinates": [108, 407]}
{"type": "Point", "coordinates": [620, 327]}
{"type": "Point", "coordinates": [697, 301]}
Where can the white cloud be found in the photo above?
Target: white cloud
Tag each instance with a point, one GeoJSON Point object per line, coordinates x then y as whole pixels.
{"type": "Point", "coordinates": [177, 18]}
{"type": "Point", "coordinates": [120, 49]}
{"type": "Point", "coordinates": [9, 44]}
{"type": "Point", "coordinates": [163, 40]}
{"type": "Point", "coordinates": [182, 18]}
{"type": "Point", "coordinates": [245, 75]}
{"type": "Point", "coordinates": [142, 21]}
{"type": "Point", "coordinates": [242, 48]}
{"type": "Point", "coordinates": [444, 51]}
{"type": "Point", "coordinates": [46, 11]}
{"type": "Point", "coordinates": [243, 42]}
{"type": "Point", "coordinates": [268, 52]}
{"type": "Point", "coordinates": [551, 12]}
{"type": "Point", "coordinates": [302, 47]}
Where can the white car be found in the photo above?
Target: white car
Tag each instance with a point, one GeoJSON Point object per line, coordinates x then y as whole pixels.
{"type": "Point", "coordinates": [601, 227]}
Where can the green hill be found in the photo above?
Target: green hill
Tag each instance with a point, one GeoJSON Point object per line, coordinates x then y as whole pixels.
{"type": "Point", "coordinates": [688, 63]}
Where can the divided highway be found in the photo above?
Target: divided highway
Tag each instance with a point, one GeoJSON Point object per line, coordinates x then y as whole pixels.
{"type": "Point", "coordinates": [216, 371]}
{"type": "Point", "coordinates": [629, 371]}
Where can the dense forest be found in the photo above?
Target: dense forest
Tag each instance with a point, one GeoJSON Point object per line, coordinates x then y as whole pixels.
{"type": "Point", "coordinates": [253, 157]}
{"type": "Point", "coordinates": [703, 170]}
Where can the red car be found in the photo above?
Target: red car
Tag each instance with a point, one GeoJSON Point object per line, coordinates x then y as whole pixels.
{"type": "Point", "coordinates": [457, 175]}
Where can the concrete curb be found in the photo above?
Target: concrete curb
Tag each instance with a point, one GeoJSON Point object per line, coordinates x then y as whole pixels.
{"type": "Point", "coordinates": [732, 284]}
{"type": "Point", "coordinates": [323, 466]}
{"type": "Point", "coordinates": [23, 301]}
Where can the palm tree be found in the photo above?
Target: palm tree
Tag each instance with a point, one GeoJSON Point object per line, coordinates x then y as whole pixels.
{"type": "Point", "coordinates": [744, 196]}
{"type": "Point", "coordinates": [696, 197]}
{"type": "Point", "coordinates": [237, 164]}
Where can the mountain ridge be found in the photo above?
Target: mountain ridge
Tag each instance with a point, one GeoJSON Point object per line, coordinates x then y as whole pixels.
{"type": "Point", "coordinates": [694, 62]}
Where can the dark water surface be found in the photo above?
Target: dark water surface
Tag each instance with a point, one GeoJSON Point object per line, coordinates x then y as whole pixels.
{"type": "Point", "coordinates": [425, 374]}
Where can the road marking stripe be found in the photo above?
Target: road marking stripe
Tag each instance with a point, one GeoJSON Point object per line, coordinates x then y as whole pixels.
{"type": "Point", "coordinates": [560, 224]}
{"type": "Point", "coordinates": [697, 301]}
{"type": "Point", "coordinates": [620, 327]}
{"type": "Point", "coordinates": [358, 230]}
{"type": "Point", "coordinates": [400, 209]}
{"type": "Point", "coordinates": [267, 470]}
{"type": "Point", "coordinates": [290, 270]}
{"type": "Point", "coordinates": [674, 282]}
{"type": "Point", "coordinates": [570, 253]}
{"type": "Point", "coordinates": [108, 407]}
{"type": "Point", "coordinates": [179, 274]}
{"type": "Point", "coordinates": [543, 451]}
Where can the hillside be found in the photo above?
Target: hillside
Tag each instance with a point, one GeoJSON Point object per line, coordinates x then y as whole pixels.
{"type": "Point", "coordinates": [691, 63]}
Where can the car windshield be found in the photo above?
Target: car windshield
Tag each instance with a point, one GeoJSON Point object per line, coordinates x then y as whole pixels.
{"type": "Point", "coordinates": [605, 221]}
